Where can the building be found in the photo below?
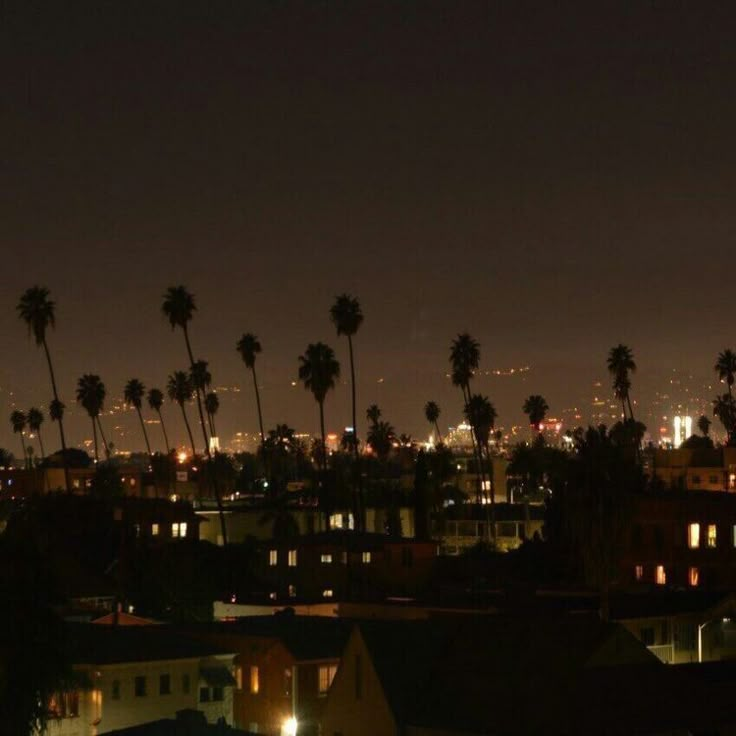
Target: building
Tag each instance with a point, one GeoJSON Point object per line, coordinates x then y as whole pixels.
{"type": "Point", "coordinates": [702, 469]}
{"type": "Point", "coordinates": [132, 675]}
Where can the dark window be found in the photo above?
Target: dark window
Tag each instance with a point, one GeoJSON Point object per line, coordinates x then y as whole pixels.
{"type": "Point", "coordinates": [358, 677]}
{"type": "Point", "coordinates": [185, 684]}
{"type": "Point", "coordinates": [647, 636]}
{"type": "Point", "coordinates": [164, 685]}
{"type": "Point", "coordinates": [140, 686]}
{"type": "Point", "coordinates": [218, 693]}
{"type": "Point", "coordinates": [115, 690]}
{"type": "Point", "coordinates": [204, 695]}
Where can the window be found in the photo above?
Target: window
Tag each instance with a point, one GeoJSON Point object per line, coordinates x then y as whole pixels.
{"type": "Point", "coordinates": [326, 676]}
{"type": "Point", "coordinates": [639, 572]}
{"type": "Point", "coordinates": [182, 528]}
{"type": "Point", "coordinates": [115, 690]}
{"type": "Point", "coordinates": [218, 694]}
{"type": "Point", "coordinates": [204, 695]}
{"type": "Point", "coordinates": [137, 529]}
{"type": "Point", "coordinates": [713, 479]}
{"type": "Point", "coordinates": [272, 595]}
{"type": "Point", "coordinates": [292, 558]}
{"type": "Point", "coordinates": [696, 480]}
{"type": "Point", "coordinates": [366, 558]}
{"type": "Point", "coordinates": [711, 539]}
{"type": "Point", "coordinates": [175, 529]}
{"type": "Point", "coordinates": [660, 576]}
{"type": "Point", "coordinates": [273, 557]}
{"type": "Point", "coordinates": [154, 530]}
{"type": "Point", "coordinates": [64, 705]}
{"type": "Point", "coordinates": [734, 535]}
{"type": "Point", "coordinates": [292, 591]}
{"type": "Point", "coordinates": [185, 684]}
{"type": "Point", "coordinates": [693, 536]}
{"type": "Point", "coordinates": [164, 685]}
{"type": "Point", "coordinates": [255, 684]}
{"type": "Point", "coordinates": [326, 559]}
{"type": "Point", "coordinates": [693, 577]}
{"type": "Point", "coordinates": [327, 593]}
{"type": "Point", "coordinates": [358, 677]}
{"type": "Point", "coordinates": [140, 686]}
{"type": "Point", "coordinates": [238, 677]}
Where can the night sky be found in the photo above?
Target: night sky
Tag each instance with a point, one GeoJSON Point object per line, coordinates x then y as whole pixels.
{"type": "Point", "coordinates": [553, 181]}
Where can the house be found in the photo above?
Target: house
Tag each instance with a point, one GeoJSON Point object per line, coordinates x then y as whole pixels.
{"type": "Point", "coordinates": [502, 675]}
{"type": "Point", "coordinates": [284, 666]}
{"type": "Point", "coordinates": [132, 675]}
{"type": "Point", "coordinates": [701, 469]}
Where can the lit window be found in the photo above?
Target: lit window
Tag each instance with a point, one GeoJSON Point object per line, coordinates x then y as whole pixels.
{"type": "Point", "coordinates": [183, 529]}
{"type": "Point", "coordinates": [292, 558]}
{"type": "Point", "coordinates": [327, 593]}
{"type": "Point", "coordinates": [639, 572]}
{"type": "Point", "coordinates": [325, 559]}
{"type": "Point", "coordinates": [273, 557]}
{"type": "Point", "coordinates": [693, 536]}
{"type": "Point", "coordinates": [693, 577]}
{"type": "Point", "coordinates": [154, 530]}
{"type": "Point", "coordinates": [175, 529]}
{"type": "Point", "coordinates": [366, 558]}
{"type": "Point", "coordinates": [255, 684]}
{"type": "Point", "coordinates": [326, 676]}
{"type": "Point", "coordinates": [711, 535]}
{"type": "Point", "coordinates": [272, 595]}
{"type": "Point", "coordinates": [238, 677]}
{"type": "Point", "coordinates": [660, 576]}
{"type": "Point", "coordinates": [292, 591]}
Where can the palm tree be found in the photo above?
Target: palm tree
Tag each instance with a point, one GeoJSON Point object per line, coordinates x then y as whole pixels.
{"type": "Point", "coordinates": [373, 414]}
{"type": "Point", "coordinates": [179, 387]}
{"type": "Point", "coordinates": [620, 364]}
{"type": "Point", "coordinates": [536, 408]}
{"type": "Point", "coordinates": [202, 380]}
{"type": "Point", "coordinates": [724, 407]}
{"type": "Point", "coordinates": [248, 346]}
{"type": "Point", "coordinates": [212, 404]}
{"type": "Point", "coordinates": [179, 308]}
{"type": "Point", "coordinates": [381, 437]}
{"type": "Point", "coordinates": [704, 425]}
{"type": "Point", "coordinates": [725, 367]}
{"type": "Point", "coordinates": [91, 394]}
{"type": "Point", "coordinates": [39, 313]}
{"type": "Point", "coordinates": [18, 421]}
{"type": "Point", "coordinates": [481, 415]}
{"type": "Point", "coordinates": [35, 420]}
{"type": "Point", "coordinates": [318, 371]}
{"type": "Point", "coordinates": [133, 396]}
{"type": "Point", "coordinates": [432, 415]}
{"type": "Point", "coordinates": [156, 401]}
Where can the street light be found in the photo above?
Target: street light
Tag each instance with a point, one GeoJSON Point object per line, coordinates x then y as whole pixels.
{"type": "Point", "coordinates": [289, 727]}
{"type": "Point", "coordinates": [700, 635]}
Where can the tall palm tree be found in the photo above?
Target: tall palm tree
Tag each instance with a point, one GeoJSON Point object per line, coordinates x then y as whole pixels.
{"type": "Point", "coordinates": [373, 414]}
{"type": "Point", "coordinates": [481, 415]}
{"type": "Point", "coordinates": [432, 415]}
{"type": "Point", "coordinates": [319, 371]}
{"type": "Point", "coordinates": [704, 425]}
{"type": "Point", "coordinates": [133, 396]}
{"type": "Point", "coordinates": [725, 367]}
{"type": "Point", "coordinates": [18, 421]}
{"type": "Point", "coordinates": [156, 401]}
{"type": "Point", "coordinates": [202, 380]}
{"type": "Point", "coordinates": [38, 311]}
{"type": "Point", "coordinates": [179, 307]}
{"type": "Point", "coordinates": [179, 388]}
{"type": "Point", "coordinates": [536, 408]}
{"type": "Point", "coordinates": [249, 347]}
{"type": "Point", "coordinates": [212, 404]}
{"type": "Point", "coordinates": [381, 437]}
{"type": "Point", "coordinates": [91, 395]}
{"type": "Point", "coordinates": [35, 420]}
{"type": "Point", "coordinates": [724, 407]}
{"type": "Point", "coordinates": [620, 365]}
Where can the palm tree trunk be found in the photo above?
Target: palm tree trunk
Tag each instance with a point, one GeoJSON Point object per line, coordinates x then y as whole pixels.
{"type": "Point", "coordinates": [358, 490]}
{"type": "Point", "coordinates": [163, 429]}
{"type": "Point", "coordinates": [40, 444]}
{"type": "Point", "coordinates": [199, 394]}
{"type": "Point", "coordinates": [324, 436]}
{"type": "Point", "coordinates": [492, 491]}
{"type": "Point", "coordinates": [477, 451]}
{"type": "Point", "coordinates": [25, 454]}
{"type": "Point", "coordinates": [437, 429]}
{"type": "Point", "coordinates": [258, 405]}
{"type": "Point", "coordinates": [631, 411]}
{"type": "Point", "coordinates": [213, 431]}
{"type": "Point", "coordinates": [145, 434]}
{"type": "Point", "coordinates": [94, 436]}
{"type": "Point", "coordinates": [189, 429]}
{"type": "Point", "coordinates": [64, 460]}
{"type": "Point", "coordinates": [104, 439]}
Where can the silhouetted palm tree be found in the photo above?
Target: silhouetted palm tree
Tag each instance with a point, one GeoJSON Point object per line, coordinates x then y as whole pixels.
{"type": "Point", "coordinates": [725, 367]}
{"type": "Point", "coordinates": [249, 347]}
{"type": "Point", "coordinates": [18, 421]}
{"type": "Point", "coordinates": [156, 401]}
{"type": "Point", "coordinates": [318, 371]}
{"type": "Point", "coordinates": [212, 404]}
{"type": "Point", "coordinates": [620, 365]}
{"type": "Point", "coordinates": [133, 396]}
{"type": "Point", "coordinates": [724, 407]}
{"type": "Point", "coordinates": [432, 414]}
{"type": "Point", "coordinates": [373, 413]}
{"type": "Point", "coordinates": [536, 408]}
{"type": "Point", "coordinates": [481, 415]}
{"type": "Point", "coordinates": [91, 394]}
{"type": "Point", "coordinates": [35, 420]}
{"type": "Point", "coordinates": [39, 313]}
{"type": "Point", "coordinates": [179, 387]}
{"type": "Point", "coordinates": [704, 425]}
{"type": "Point", "coordinates": [381, 437]}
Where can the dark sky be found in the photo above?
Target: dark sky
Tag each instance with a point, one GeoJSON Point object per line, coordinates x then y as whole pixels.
{"type": "Point", "coordinates": [553, 178]}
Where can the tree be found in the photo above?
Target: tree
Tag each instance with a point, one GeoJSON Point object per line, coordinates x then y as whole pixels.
{"type": "Point", "coordinates": [536, 408]}
{"type": "Point", "coordinates": [373, 414]}
{"type": "Point", "coordinates": [18, 421]}
{"type": "Point", "coordinates": [212, 404]}
{"type": "Point", "coordinates": [106, 483]}
{"type": "Point", "coordinates": [381, 438]}
{"type": "Point", "coordinates": [249, 347]}
{"type": "Point", "coordinates": [133, 396]}
{"type": "Point", "coordinates": [620, 365]}
{"type": "Point", "coordinates": [347, 317]}
{"type": "Point", "coordinates": [704, 425]}
{"type": "Point", "coordinates": [432, 415]}
{"type": "Point", "coordinates": [6, 458]}
{"type": "Point", "coordinates": [319, 371]}
{"type": "Point", "coordinates": [156, 401]}
{"type": "Point", "coordinates": [91, 394]}
{"type": "Point", "coordinates": [725, 367]}
{"type": "Point", "coordinates": [38, 311]}
{"type": "Point", "coordinates": [724, 407]}
{"type": "Point", "coordinates": [35, 420]}
{"type": "Point", "coordinates": [481, 415]}
{"type": "Point", "coordinates": [179, 388]}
